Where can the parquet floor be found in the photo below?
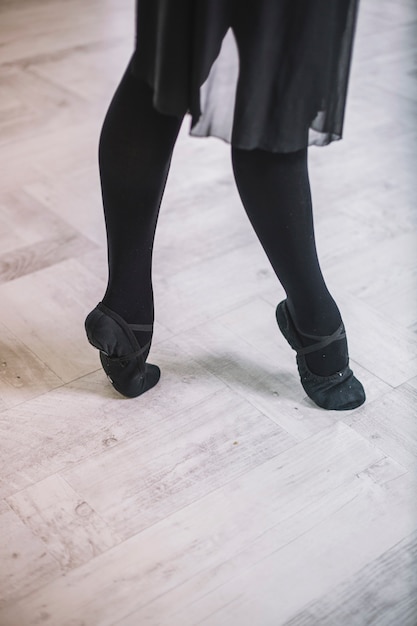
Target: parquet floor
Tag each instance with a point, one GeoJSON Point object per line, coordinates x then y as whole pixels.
{"type": "Point", "coordinates": [222, 497]}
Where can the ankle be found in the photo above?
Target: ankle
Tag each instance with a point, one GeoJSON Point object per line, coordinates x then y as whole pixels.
{"type": "Point", "coordinates": [313, 324]}
{"type": "Point", "coordinates": [132, 318]}
{"type": "Point", "coordinates": [321, 319]}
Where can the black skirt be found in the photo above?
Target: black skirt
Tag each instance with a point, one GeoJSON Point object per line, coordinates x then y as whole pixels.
{"type": "Point", "coordinates": [269, 74]}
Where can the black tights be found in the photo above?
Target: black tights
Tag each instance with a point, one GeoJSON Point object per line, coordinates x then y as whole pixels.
{"type": "Point", "coordinates": [135, 152]}
{"type": "Point", "coordinates": [136, 146]}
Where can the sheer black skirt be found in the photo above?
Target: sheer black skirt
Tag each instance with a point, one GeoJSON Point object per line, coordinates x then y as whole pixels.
{"type": "Point", "coordinates": [268, 74]}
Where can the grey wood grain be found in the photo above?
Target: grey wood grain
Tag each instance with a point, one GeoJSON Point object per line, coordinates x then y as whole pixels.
{"type": "Point", "coordinates": [382, 593]}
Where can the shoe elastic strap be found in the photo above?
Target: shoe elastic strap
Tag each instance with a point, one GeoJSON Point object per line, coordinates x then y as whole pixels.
{"type": "Point", "coordinates": [127, 357]}
{"type": "Point", "coordinates": [326, 341]}
{"type": "Point", "coordinates": [141, 327]}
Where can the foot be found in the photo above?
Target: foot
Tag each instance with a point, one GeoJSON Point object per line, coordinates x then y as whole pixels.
{"type": "Point", "coordinates": [330, 358]}
{"type": "Point", "coordinates": [121, 355]}
{"type": "Point", "coordinates": [338, 390]}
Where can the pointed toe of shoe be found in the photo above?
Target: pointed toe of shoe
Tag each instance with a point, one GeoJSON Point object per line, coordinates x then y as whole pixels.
{"type": "Point", "coordinates": [341, 392]}
{"type": "Point", "coordinates": [127, 379]}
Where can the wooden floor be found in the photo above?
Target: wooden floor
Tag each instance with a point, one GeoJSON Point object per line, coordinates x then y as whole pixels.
{"type": "Point", "coordinates": [222, 497]}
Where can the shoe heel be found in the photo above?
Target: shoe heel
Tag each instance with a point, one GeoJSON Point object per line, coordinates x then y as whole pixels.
{"type": "Point", "coordinates": [95, 329]}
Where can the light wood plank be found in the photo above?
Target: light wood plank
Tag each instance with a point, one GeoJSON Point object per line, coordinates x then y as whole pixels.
{"type": "Point", "coordinates": [22, 375]}
{"type": "Point", "coordinates": [89, 72]}
{"type": "Point", "coordinates": [390, 423]}
{"type": "Point", "coordinates": [413, 383]}
{"type": "Point", "coordinates": [25, 564]}
{"type": "Point", "coordinates": [30, 220]}
{"type": "Point", "coordinates": [258, 514]}
{"type": "Point", "coordinates": [213, 287]}
{"type": "Point", "coordinates": [72, 430]}
{"type": "Point", "coordinates": [53, 27]}
{"type": "Point", "coordinates": [53, 153]}
{"type": "Point", "coordinates": [41, 107]}
{"type": "Point", "coordinates": [68, 526]}
{"type": "Point", "coordinates": [383, 592]}
{"type": "Point", "coordinates": [81, 189]}
{"type": "Point", "coordinates": [31, 259]}
{"type": "Point", "coordinates": [40, 237]}
{"type": "Point", "coordinates": [209, 579]}
{"type": "Point", "coordinates": [370, 279]}
{"type": "Point", "coordinates": [46, 310]}
{"type": "Point", "coordinates": [311, 565]}
{"type": "Point", "coordinates": [209, 444]}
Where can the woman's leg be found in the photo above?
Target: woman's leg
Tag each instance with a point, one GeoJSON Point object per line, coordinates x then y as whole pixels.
{"type": "Point", "coordinates": [135, 152]}
{"type": "Point", "coordinates": [275, 192]}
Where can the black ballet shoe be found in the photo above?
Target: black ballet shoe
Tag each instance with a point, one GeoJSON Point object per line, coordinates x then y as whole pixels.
{"type": "Point", "coordinates": [340, 391]}
{"type": "Point", "coordinates": [120, 353]}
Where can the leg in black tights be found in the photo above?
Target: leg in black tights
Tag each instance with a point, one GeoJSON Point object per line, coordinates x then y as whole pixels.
{"type": "Point", "coordinates": [275, 192]}
{"type": "Point", "coordinates": [135, 152]}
